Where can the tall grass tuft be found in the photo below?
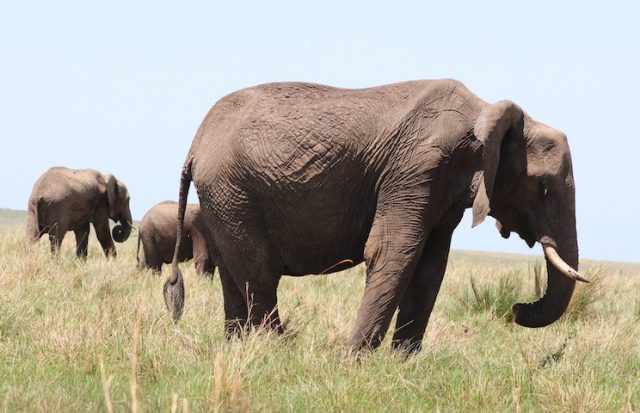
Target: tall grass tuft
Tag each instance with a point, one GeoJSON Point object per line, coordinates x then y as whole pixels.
{"type": "Point", "coordinates": [586, 296]}
{"type": "Point", "coordinates": [133, 381]}
{"type": "Point", "coordinates": [227, 388]}
{"type": "Point", "coordinates": [539, 283]}
{"type": "Point", "coordinates": [494, 297]}
{"type": "Point", "coordinates": [106, 385]}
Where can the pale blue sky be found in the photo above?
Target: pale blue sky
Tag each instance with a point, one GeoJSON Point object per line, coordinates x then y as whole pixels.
{"type": "Point", "coordinates": [122, 86]}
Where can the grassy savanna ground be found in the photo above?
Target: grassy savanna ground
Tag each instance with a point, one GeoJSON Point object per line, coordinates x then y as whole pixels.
{"type": "Point", "coordinates": [95, 336]}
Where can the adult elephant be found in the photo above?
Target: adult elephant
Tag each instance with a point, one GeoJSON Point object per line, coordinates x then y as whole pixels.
{"type": "Point", "coordinates": [157, 234]}
{"type": "Point", "coordinates": [295, 177]}
{"type": "Point", "coordinates": [66, 199]}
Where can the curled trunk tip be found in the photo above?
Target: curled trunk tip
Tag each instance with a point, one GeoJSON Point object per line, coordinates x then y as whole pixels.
{"type": "Point", "coordinates": [561, 282]}
{"type": "Point", "coordinates": [120, 233]}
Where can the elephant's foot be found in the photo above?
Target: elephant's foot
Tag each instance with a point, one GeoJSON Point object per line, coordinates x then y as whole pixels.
{"type": "Point", "coordinates": [238, 328]}
{"type": "Point", "coordinates": [409, 346]}
{"type": "Point", "coordinates": [266, 320]}
{"type": "Point", "coordinates": [235, 328]}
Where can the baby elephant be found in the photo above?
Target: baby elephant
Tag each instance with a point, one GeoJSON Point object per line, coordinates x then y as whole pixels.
{"type": "Point", "coordinates": [157, 233]}
{"type": "Point", "coordinates": [66, 199]}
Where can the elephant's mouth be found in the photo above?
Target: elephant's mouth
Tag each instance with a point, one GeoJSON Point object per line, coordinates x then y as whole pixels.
{"type": "Point", "coordinates": [529, 240]}
{"type": "Point", "coordinates": [505, 232]}
{"type": "Point", "coordinates": [527, 237]}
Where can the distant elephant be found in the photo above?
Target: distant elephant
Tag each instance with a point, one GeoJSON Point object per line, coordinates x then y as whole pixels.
{"type": "Point", "coordinates": [294, 178]}
{"type": "Point", "coordinates": [157, 234]}
{"type": "Point", "coordinates": [66, 199]}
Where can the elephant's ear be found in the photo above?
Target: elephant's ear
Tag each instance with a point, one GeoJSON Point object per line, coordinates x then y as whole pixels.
{"type": "Point", "coordinates": [112, 188]}
{"type": "Point", "coordinates": [494, 123]}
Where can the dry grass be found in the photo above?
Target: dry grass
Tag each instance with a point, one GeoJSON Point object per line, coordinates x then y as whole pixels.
{"type": "Point", "coordinates": [94, 335]}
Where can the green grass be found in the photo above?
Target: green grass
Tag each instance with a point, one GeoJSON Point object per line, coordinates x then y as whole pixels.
{"type": "Point", "coordinates": [95, 336]}
{"type": "Point", "coordinates": [494, 298]}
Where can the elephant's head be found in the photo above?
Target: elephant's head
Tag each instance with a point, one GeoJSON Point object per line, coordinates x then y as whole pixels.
{"type": "Point", "coordinates": [528, 187]}
{"type": "Point", "coordinates": [118, 198]}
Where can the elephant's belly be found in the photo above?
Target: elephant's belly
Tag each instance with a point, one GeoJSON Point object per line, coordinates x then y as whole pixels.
{"type": "Point", "coordinates": [309, 226]}
{"type": "Point", "coordinates": [319, 240]}
{"type": "Point", "coordinates": [185, 253]}
{"type": "Point", "coordinates": [304, 268]}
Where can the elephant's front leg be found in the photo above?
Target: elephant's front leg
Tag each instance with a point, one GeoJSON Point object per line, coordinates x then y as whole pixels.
{"type": "Point", "coordinates": [82, 240]}
{"type": "Point", "coordinates": [104, 237]}
{"type": "Point", "coordinates": [418, 300]}
{"type": "Point", "coordinates": [391, 254]}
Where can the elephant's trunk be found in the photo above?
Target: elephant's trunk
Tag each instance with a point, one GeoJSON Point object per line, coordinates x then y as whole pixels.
{"type": "Point", "coordinates": [121, 232]}
{"type": "Point", "coordinates": [560, 284]}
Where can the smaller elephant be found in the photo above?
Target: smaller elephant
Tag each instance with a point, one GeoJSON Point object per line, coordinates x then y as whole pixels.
{"type": "Point", "coordinates": [157, 233]}
{"type": "Point", "coordinates": [66, 199]}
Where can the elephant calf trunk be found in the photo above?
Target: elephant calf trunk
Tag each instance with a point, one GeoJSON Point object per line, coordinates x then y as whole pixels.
{"type": "Point", "coordinates": [121, 232]}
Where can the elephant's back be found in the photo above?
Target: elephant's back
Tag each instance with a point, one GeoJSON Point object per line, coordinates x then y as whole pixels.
{"type": "Point", "coordinates": [162, 218]}
{"type": "Point", "coordinates": [301, 129]}
{"type": "Point", "coordinates": [64, 184]}
{"type": "Point", "coordinates": [280, 134]}
{"type": "Point", "coordinates": [158, 230]}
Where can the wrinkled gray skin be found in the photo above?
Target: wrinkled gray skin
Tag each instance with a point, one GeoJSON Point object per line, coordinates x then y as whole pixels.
{"type": "Point", "coordinates": [294, 178]}
{"type": "Point", "coordinates": [66, 199]}
{"type": "Point", "coordinates": [157, 234]}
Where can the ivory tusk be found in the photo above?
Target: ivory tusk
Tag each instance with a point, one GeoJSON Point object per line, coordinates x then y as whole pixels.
{"type": "Point", "coordinates": [554, 258]}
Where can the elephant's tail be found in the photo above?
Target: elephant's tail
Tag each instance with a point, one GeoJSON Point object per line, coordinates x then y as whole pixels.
{"type": "Point", "coordinates": [35, 219]}
{"type": "Point", "coordinates": [174, 286]}
{"type": "Point", "coordinates": [138, 248]}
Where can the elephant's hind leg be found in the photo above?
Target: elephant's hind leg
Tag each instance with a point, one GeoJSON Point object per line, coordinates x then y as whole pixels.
{"type": "Point", "coordinates": [258, 287]}
{"type": "Point", "coordinates": [262, 303]}
{"type": "Point", "coordinates": [150, 256]}
{"type": "Point", "coordinates": [250, 264]}
{"type": "Point", "coordinates": [418, 300]}
{"type": "Point", "coordinates": [142, 260]}
{"type": "Point", "coordinates": [56, 235]}
{"type": "Point", "coordinates": [235, 308]}
{"type": "Point", "coordinates": [250, 299]}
